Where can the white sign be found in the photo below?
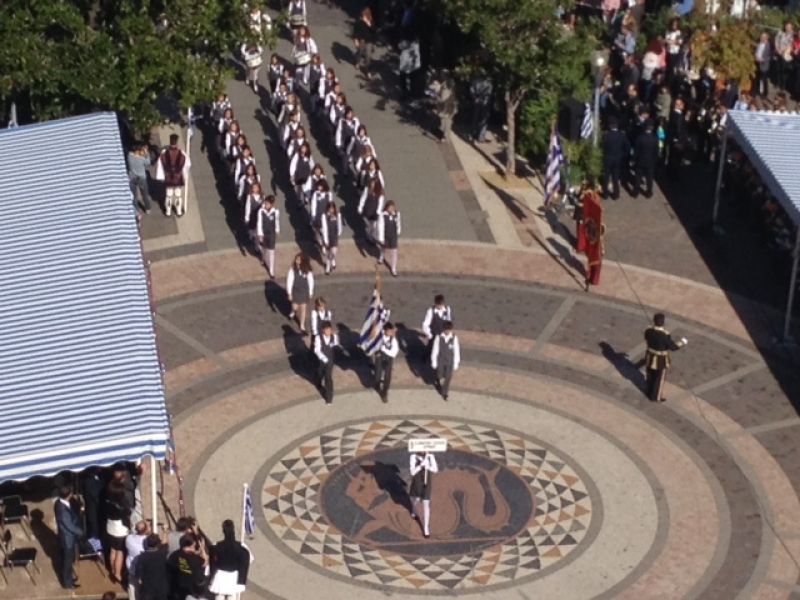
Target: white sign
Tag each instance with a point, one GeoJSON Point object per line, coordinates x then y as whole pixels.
{"type": "Point", "coordinates": [427, 445]}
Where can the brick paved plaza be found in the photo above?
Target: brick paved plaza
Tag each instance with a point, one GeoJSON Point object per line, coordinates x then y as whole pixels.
{"type": "Point", "coordinates": [562, 479]}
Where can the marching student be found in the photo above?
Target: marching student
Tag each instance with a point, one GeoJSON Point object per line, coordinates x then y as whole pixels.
{"type": "Point", "coordinates": [300, 168]}
{"type": "Point", "coordinates": [319, 315]}
{"type": "Point", "coordinates": [219, 108]}
{"type": "Point", "coordinates": [232, 133]}
{"type": "Point", "coordinates": [275, 73]}
{"type": "Point", "coordinates": [250, 177]}
{"type": "Point", "coordinates": [251, 53]}
{"type": "Point", "coordinates": [384, 360]}
{"type": "Point", "coordinates": [421, 466]}
{"type": "Point", "coordinates": [288, 78]}
{"type": "Point", "coordinates": [370, 206]}
{"type": "Point", "coordinates": [317, 206]}
{"type": "Point", "coordinates": [336, 112]}
{"type": "Point", "coordinates": [389, 229]}
{"type": "Point", "coordinates": [303, 50]}
{"type": "Point", "coordinates": [236, 150]}
{"type": "Point", "coordinates": [317, 74]}
{"type": "Point", "coordinates": [373, 172]}
{"type": "Point", "coordinates": [300, 289]}
{"type": "Point", "coordinates": [294, 144]}
{"type": "Point", "coordinates": [324, 345]}
{"type": "Point", "coordinates": [435, 317]}
{"type": "Point", "coordinates": [445, 357]}
{"type": "Point", "coordinates": [291, 105]}
{"type": "Point", "coordinates": [345, 131]}
{"type": "Point", "coordinates": [279, 97]}
{"type": "Point", "coordinates": [252, 206]}
{"type": "Point", "coordinates": [361, 167]}
{"type": "Point", "coordinates": [331, 230]}
{"type": "Point", "coordinates": [289, 128]}
{"type": "Point", "coordinates": [298, 16]}
{"type": "Point", "coordinates": [244, 160]}
{"type": "Point", "coordinates": [317, 175]}
{"type": "Point", "coordinates": [359, 145]}
{"type": "Point", "coordinates": [267, 230]}
{"type": "Point", "coordinates": [223, 125]}
{"type": "Point", "coordinates": [329, 91]}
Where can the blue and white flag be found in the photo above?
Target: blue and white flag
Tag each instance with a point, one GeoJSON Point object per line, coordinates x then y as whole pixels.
{"type": "Point", "coordinates": [587, 126]}
{"type": "Point", "coordinates": [372, 329]}
{"type": "Point", "coordinates": [248, 518]}
{"type": "Point", "coordinates": [552, 176]}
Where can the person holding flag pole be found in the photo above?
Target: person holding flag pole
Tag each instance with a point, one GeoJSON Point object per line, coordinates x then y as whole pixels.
{"type": "Point", "coordinates": [552, 176]}
{"type": "Point", "coordinates": [230, 560]}
{"type": "Point", "coordinates": [377, 316]}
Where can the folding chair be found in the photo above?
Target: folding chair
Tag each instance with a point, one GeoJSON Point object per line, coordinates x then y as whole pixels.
{"type": "Point", "coordinates": [92, 549]}
{"type": "Point", "coordinates": [13, 510]}
{"type": "Point", "coordinates": [18, 557]}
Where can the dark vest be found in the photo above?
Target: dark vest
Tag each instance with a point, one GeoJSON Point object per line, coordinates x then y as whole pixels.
{"type": "Point", "coordinates": [333, 229]}
{"type": "Point", "coordinates": [371, 206]}
{"type": "Point", "coordinates": [446, 351]}
{"type": "Point", "coordinates": [390, 230]}
{"type": "Point", "coordinates": [303, 170]}
{"type": "Point", "coordinates": [326, 347]}
{"type": "Point", "coordinates": [437, 322]}
{"type": "Point", "coordinates": [300, 289]}
{"type": "Point", "coordinates": [269, 221]}
{"type": "Point", "coordinates": [173, 161]}
{"type": "Point", "coordinates": [255, 206]}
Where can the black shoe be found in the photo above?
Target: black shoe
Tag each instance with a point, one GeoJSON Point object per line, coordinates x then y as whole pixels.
{"type": "Point", "coordinates": [384, 397]}
{"type": "Point", "coordinates": [445, 397]}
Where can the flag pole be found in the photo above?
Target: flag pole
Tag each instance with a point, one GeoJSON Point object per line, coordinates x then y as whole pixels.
{"type": "Point", "coordinates": [244, 509]}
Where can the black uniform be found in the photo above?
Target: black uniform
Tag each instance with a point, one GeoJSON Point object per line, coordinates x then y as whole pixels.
{"type": "Point", "coordinates": [657, 359]}
{"type": "Point", "coordinates": [384, 360]}
{"type": "Point", "coordinates": [678, 136]}
{"type": "Point", "coordinates": [323, 347]}
{"type": "Point", "coordinates": [646, 151]}
{"type": "Point", "coordinates": [616, 150]}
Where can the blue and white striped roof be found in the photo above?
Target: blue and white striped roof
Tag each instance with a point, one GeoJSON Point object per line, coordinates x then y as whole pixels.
{"type": "Point", "coordinates": [770, 140]}
{"type": "Point", "coordinates": [80, 380]}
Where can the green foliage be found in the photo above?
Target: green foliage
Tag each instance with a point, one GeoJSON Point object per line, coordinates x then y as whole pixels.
{"type": "Point", "coordinates": [584, 159]}
{"type": "Point", "coordinates": [567, 76]}
{"type": "Point", "coordinates": [62, 57]}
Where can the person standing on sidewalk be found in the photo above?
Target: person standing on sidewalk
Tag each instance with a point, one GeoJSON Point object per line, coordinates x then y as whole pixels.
{"type": "Point", "coordinates": [480, 90]}
{"type": "Point", "coordinates": [267, 230]}
{"type": "Point", "coordinates": [384, 360]}
{"type": "Point", "coordinates": [138, 163]}
{"type": "Point", "coordinates": [646, 160]}
{"type": "Point", "coordinates": [171, 168]}
{"type": "Point", "coordinates": [68, 521]}
{"type": "Point", "coordinates": [324, 345]}
{"type": "Point", "coordinates": [300, 289]}
{"type": "Point", "coordinates": [442, 90]}
{"type": "Point", "coordinates": [657, 358]}
{"type": "Point", "coordinates": [389, 229]}
{"type": "Point", "coordinates": [364, 41]}
{"type": "Point", "coordinates": [445, 358]}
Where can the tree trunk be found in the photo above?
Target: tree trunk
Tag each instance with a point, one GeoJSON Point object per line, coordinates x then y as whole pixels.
{"type": "Point", "coordinates": [513, 99]}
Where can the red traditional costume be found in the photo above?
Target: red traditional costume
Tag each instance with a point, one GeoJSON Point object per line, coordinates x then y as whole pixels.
{"type": "Point", "coordinates": [580, 225]}
{"type": "Point", "coordinates": [594, 229]}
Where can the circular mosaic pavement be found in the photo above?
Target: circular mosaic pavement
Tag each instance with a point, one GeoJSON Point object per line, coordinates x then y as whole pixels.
{"type": "Point", "coordinates": [504, 506]}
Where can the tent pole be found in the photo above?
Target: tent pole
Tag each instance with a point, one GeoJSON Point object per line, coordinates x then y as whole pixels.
{"type": "Point", "coordinates": [718, 186]}
{"type": "Point", "coordinates": [792, 285]}
{"type": "Point", "coordinates": [153, 493]}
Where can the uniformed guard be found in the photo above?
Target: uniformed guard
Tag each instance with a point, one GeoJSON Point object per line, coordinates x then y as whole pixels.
{"type": "Point", "coordinates": [445, 357]}
{"type": "Point", "coordinates": [421, 466]}
{"type": "Point", "coordinates": [384, 360]}
{"type": "Point", "coordinates": [324, 345]}
{"type": "Point", "coordinates": [657, 359]}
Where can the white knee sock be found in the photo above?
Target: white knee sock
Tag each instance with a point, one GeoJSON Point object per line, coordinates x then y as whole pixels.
{"type": "Point", "coordinates": [426, 516]}
{"type": "Point", "coordinates": [271, 261]}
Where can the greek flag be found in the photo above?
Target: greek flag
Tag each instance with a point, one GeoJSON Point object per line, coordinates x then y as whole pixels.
{"type": "Point", "coordinates": [371, 330]}
{"type": "Point", "coordinates": [587, 126]}
{"type": "Point", "coordinates": [552, 176]}
{"type": "Point", "coordinates": [249, 518]}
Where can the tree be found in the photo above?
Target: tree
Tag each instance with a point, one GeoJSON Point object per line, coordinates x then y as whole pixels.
{"type": "Point", "coordinates": [520, 37]}
{"type": "Point", "coordinates": [61, 58]}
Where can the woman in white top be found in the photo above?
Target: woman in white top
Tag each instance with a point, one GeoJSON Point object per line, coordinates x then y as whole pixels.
{"type": "Point", "coordinates": [275, 73]}
{"type": "Point", "coordinates": [320, 314]}
{"type": "Point", "coordinates": [389, 230]}
{"type": "Point", "coordinates": [303, 51]}
{"type": "Point", "coordinates": [370, 206]}
{"type": "Point", "coordinates": [298, 16]}
{"type": "Point", "coordinates": [300, 289]}
{"type": "Point", "coordinates": [331, 230]}
{"type": "Point", "coordinates": [421, 467]}
{"type": "Point", "coordinates": [247, 180]}
{"type": "Point", "coordinates": [251, 53]}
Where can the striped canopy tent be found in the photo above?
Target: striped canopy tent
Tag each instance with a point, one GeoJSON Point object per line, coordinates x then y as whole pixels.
{"type": "Point", "coordinates": [80, 378]}
{"type": "Point", "coordinates": [770, 140]}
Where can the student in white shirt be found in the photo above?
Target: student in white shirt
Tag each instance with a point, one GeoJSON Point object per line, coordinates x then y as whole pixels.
{"type": "Point", "coordinates": [384, 360]}
{"type": "Point", "coordinates": [445, 358]}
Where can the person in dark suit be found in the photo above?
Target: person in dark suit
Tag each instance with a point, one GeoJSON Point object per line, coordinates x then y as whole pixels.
{"type": "Point", "coordinates": [616, 150]}
{"type": "Point", "coordinates": [657, 358]}
{"type": "Point", "coordinates": [69, 532]}
{"type": "Point", "coordinates": [677, 135]}
{"type": "Point", "coordinates": [646, 158]}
